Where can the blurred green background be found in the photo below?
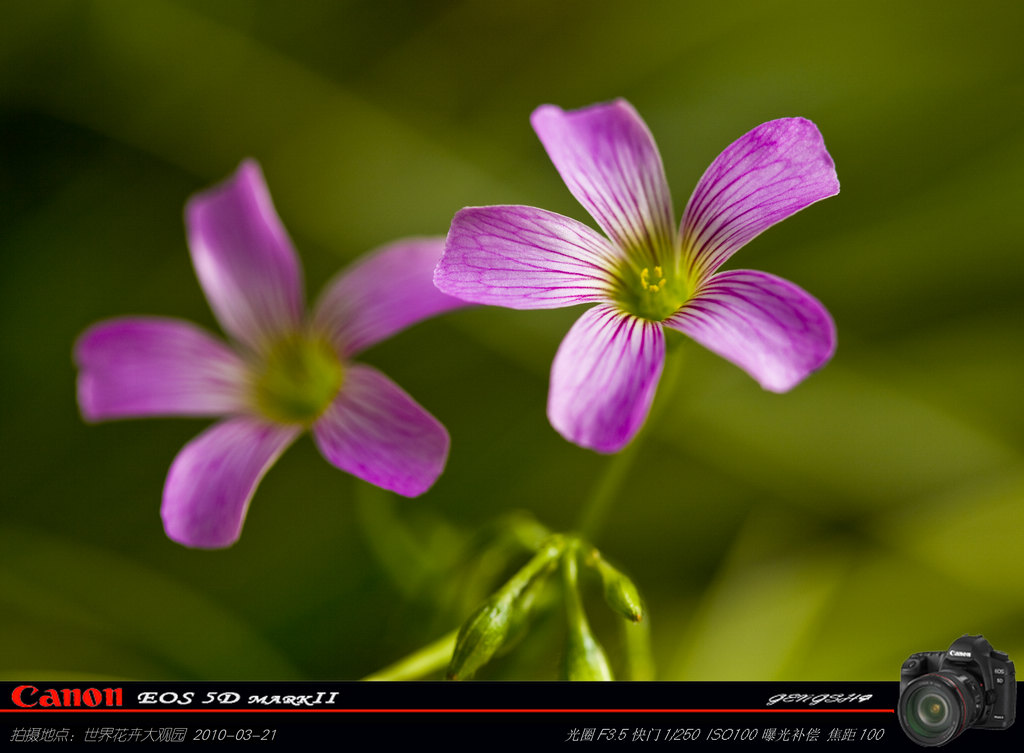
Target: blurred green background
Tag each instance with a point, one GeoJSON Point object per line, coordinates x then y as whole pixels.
{"type": "Point", "coordinates": [876, 510]}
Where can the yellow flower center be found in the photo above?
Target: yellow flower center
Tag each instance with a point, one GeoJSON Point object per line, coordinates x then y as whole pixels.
{"type": "Point", "coordinates": [298, 380]}
{"type": "Point", "coordinates": [651, 292]}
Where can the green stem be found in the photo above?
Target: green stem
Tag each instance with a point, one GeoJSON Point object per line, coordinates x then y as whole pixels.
{"type": "Point", "coordinates": [603, 494]}
{"type": "Point", "coordinates": [606, 490]}
{"type": "Point", "coordinates": [584, 658]}
{"type": "Point", "coordinates": [639, 655]}
{"type": "Point", "coordinates": [573, 604]}
{"type": "Point", "coordinates": [433, 657]}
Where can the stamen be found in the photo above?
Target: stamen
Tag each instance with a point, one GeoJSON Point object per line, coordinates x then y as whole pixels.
{"type": "Point", "coordinates": [645, 280]}
{"type": "Point", "coordinates": [651, 296]}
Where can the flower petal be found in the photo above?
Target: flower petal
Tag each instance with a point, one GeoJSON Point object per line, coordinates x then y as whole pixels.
{"type": "Point", "coordinates": [375, 431]}
{"type": "Point", "coordinates": [609, 161]}
{"type": "Point", "coordinates": [244, 258]}
{"type": "Point", "coordinates": [213, 478]}
{"type": "Point", "coordinates": [762, 178]}
{"type": "Point", "coordinates": [772, 329]}
{"type": "Point", "coordinates": [156, 367]}
{"type": "Point", "coordinates": [604, 377]}
{"type": "Point", "coordinates": [381, 294]}
{"type": "Point", "coordinates": [525, 258]}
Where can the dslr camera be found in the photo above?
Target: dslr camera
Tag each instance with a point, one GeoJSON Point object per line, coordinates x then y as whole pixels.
{"type": "Point", "coordinates": [942, 693]}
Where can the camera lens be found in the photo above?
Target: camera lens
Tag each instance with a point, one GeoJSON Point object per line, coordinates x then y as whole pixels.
{"type": "Point", "coordinates": [937, 707]}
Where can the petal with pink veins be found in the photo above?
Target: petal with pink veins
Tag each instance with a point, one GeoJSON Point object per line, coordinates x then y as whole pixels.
{"type": "Point", "coordinates": [610, 163]}
{"type": "Point", "coordinates": [760, 179]}
{"type": "Point", "coordinates": [604, 377]}
{"type": "Point", "coordinates": [244, 259]}
{"type": "Point", "coordinates": [769, 327]}
{"type": "Point", "coordinates": [375, 431]}
{"type": "Point", "coordinates": [525, 258]}
{"type": "Point", "coordinates": [212, 479]}
{"type": "Point", "coordinates": [149, 366]}
{"type": "Point", "coordinates": [382, 294]}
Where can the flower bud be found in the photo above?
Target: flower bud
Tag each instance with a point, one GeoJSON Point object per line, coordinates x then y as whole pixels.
{"type": "Point", "coordinates": [584, 657]}
{"type": "Point", "coordinates": [619, 591]}
{"type": "Point", "coordinates": [505, 612]}
{"type": "Point", "coordinates": [481, 636]}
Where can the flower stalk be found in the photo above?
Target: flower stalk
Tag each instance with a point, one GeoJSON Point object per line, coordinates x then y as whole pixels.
{"type": "Point", "coordinates": [606, 490]}
{"type": "Point", "coordinates": [585, 659]}
{"type": "Point", "coordinates": [420, 663]}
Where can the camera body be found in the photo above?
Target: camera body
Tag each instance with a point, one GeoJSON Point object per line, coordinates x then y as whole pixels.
{"type": "Point", "coordinates": [942, 693]}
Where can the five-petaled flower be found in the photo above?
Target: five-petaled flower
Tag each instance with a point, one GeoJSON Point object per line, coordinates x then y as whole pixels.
{"type": "Point", "coordinates": [287, 372]}
{"type": "Point", "coordinates": [646, 275]}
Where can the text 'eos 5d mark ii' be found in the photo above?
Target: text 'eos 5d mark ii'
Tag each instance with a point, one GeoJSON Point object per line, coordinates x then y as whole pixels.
{"type": "Point", "coordinates": [942, 693]}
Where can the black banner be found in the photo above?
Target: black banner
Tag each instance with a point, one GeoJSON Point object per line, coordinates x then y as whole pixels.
{"type": "Point", "coordinates": [695, 715]}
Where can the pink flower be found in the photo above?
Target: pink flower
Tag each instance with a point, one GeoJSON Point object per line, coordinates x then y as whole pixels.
{"type": "Point", "coordinates": [647, 275]}
{"type": "Point", "coordinates": [285, 372]}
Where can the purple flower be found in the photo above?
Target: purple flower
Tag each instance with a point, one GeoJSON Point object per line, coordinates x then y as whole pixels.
{"type": "Point", "coordinates": [285, 373]}
{"type": "Point", "coordinates": [646, 275]}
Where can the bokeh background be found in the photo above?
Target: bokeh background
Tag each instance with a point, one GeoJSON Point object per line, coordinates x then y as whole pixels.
{"type": "Point", "coordinates": [876, 510]}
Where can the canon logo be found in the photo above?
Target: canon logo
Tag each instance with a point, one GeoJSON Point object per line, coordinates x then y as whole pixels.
{"type": "Point", "coordinates": [961, 654]}
{"type": "Point", "coordinates": [29, 696]}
